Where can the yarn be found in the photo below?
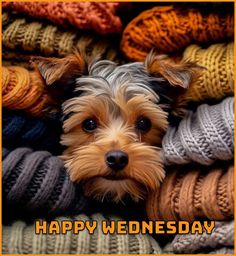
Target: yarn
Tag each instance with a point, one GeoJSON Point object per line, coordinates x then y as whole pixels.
{"type": "Point", "coordinates": [48, 40]}
{"type": "Point", "coordinates": [20, 238]}
{"type": "Point", "coordinates": [217, 80]}
{"type": "Point", "coordinates": [170, 29]}
{"type": "Point", "coordinates": [38, 182]}
{"type": "Point", "coordinates": [25, 90]}
{"type": "Point", "coordinates": [203, 136]}
{"type": "Point", "coordinates": [100, 17]}
{"type": "Point", "coordinates": [221, 240]}
{"type": "Point", "coordinates": [194, 194]}
{"type": "Point", "coordinates": [19, 130]}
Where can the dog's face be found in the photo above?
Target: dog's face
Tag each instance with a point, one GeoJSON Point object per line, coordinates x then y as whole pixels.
{"type": "Point", "coordinates": [114, 121]}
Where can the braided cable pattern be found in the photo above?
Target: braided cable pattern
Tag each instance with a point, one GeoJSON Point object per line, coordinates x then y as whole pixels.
{"type": "Point", "coordinates": [203, 136]}
{"type": "Point", "coordinates": [195, 194]}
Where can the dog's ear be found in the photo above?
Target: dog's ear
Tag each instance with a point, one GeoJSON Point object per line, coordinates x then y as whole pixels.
{"type": "Point", "coordinates": [60, 74]}
{"type": "Point", "coordinates": [177, 74]}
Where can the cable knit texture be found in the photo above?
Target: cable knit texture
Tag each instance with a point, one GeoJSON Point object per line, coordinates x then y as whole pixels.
{"type": "Point", "coordinates": [49, 40]}
{"type": "Point", "coordinates": [170, 29]}
{"type": "Point", "coordinates": [21, 239]}
{"type": "Point", "coordinates": [19, 130]}
{"type": "Point", "coordinates": [221, 239]}
{"type": "Point", "coordinates": [203, 136]}
{"type": "Point", "coordinates": [194, 194]}
{"type": "Point", "coordinates": [37, 181]}
{"type": "Point", "coordinates": [22, 89]}
{"type": "Point", "coordinates": [217, 80]}
{"type": "Point", "coordinates": [100, 17]}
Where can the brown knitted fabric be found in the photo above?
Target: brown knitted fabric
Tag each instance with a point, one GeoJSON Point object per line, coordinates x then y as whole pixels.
{"type": "Point", "coordinates": [38, 38]}
{"type": "Point", "coordinates": [194, 195]}
{"type": "Point", "coordinates": [169, 29]}
{"type": "Point", "coordinates": [24, 90]}
{"type": "Point", "coordinates": [100, 17]}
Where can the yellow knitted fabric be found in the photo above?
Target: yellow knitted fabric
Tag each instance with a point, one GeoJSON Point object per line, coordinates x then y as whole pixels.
{"type": "Point", "coordinates": [217, 81]}
{"type": "Point", "coordinates": [25, 90]}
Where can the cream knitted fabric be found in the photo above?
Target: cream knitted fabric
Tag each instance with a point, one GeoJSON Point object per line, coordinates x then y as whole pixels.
{"type": "Point", "coordinates": [221, 240]}
{"type": "Point", "coordinates": [21, 239]}
{"type": "Point", "coordinates": [203, 136]}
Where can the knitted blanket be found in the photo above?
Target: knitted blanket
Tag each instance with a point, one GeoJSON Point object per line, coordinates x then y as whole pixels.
{"type": "Point", "coordinates": [24, 90]}
{"type": "Point", "coordinates": [20, 238]}
{"type": "Point", "coordinates": [100, 17]}
{"type": "Point", "coordinates": [19, 130]}
{"type": "Point", "coordinates": [37, 37]}
{"type": "Point", "coordinates": [217, 80]}
{"type": "Point", "coordinates": [170, 29]}
{"type": "Point", "coordinates": [203, 136]}
{"type": "Point", "coordinates": [37, 181]}
{"type": "Point", "coordinates": [198, 193]}
{"type": "Point", "coordinates": [220, 241]}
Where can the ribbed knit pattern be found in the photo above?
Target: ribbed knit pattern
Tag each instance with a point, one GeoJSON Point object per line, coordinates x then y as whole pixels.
{"type": "Point", "coordinates": [217, 80]}
{"type": "Point", "coordinates": [170, 29]}
{"type": "Point", "coordinates": [22, 89]}
{"type": "Point", "coordinates": [194, 194]}
{"type": "Point", "coordinates": [100, 17]}
{"type": "Point", "coordinates": [221, 240]}
{"type": "Point", "coordinates": [38, 37]}
{"type": "Point", "coordinates": [19, 130]}
{"type": "Point", "coordinates": [37, 181]}
{"type": "Point", "coordinates": [203, 136]}
{"type": "Point", "coordinates": [21, 239]}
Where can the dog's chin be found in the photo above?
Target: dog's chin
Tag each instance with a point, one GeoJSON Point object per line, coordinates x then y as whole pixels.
{"type": "Point", "coordinates": [114, 188]}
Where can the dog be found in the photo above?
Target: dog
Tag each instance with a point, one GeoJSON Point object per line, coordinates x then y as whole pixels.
{"type": "Point", "coordinates": [114, 118]}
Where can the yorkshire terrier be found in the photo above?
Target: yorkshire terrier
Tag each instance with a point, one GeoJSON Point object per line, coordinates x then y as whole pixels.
{"type": "Point", "coordinates": [114, 118]}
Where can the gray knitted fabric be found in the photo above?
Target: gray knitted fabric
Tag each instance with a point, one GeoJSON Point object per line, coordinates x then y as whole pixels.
{"type": "Point", "coordinates": [221, 239]}
{"type": "Point", "coordinates": [37, 181]}
{"type": "Point", "coordinates": [203, 136]}
{"type": "Point", "coordinates": [21, 239]}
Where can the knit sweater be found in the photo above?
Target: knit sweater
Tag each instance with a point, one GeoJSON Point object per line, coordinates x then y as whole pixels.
{"type": "Point", "coordinates": [203, 136]}
{"type": "Point", "coordinates": [37, 181]}
{"type": "Point", "coordinates": [20, 238]}
{"type": "Point", "coordinates": [19, 130]}
{"type": "Point", "coordinates": [22, 89]}
{"type": "Point", "coordinates": [221, 240]}
{"type": "Point", "coordinates": [191, 194]}
{"type": "Point", "coordinates": [216, 81]}
{"type": "Point", "coordinates": [170, 29]}
{"type": "Point", "coordinates": [100, 17]}
{"type": "Point", "coordinates": [20, 33]}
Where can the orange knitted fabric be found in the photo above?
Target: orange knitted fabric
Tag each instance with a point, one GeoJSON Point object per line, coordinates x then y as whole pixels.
{"type": "Point", "coordinates": [194, 195]}
{"type": "Point", "coordinates": [170, 29]}
{"type": "Point", "coordinates": [100, 17]}
{"type": "Point", "coordinates": [22, 89]}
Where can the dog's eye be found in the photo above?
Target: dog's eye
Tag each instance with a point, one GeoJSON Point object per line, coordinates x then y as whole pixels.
{"type": "Point", "coordinates": [89, 125]}
{"type": "Point", "coordinates": [143, 124]}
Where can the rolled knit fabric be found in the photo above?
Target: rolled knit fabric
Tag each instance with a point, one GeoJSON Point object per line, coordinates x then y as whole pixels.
{"type": "Point", "coordinates": [19, 130]}
{"type": "Point", "coordinates": [38, 181]}
{"type": "Point", "coordinates": [169, 29]}
{"type": "Point", "coordinates": [221, 240]}
{"type": "Point", "coordinates": [195, 194]}
{"type": "Point", "coordinates": [48, 40]}
{"type": "Point", "coordinates": [25, 90]}
{"type": "Point", "coordinates": [217, 80]}
{"type": "Point", "coordinates": [100, 17]}
{"type": "Point", "coordinates": [203, 136]}
{"type": "Point", "coordinates": [20, 238]}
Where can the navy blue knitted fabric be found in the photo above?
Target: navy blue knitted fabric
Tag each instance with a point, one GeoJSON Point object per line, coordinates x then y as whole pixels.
{"type": "Point", "coordinates": [20, 130]}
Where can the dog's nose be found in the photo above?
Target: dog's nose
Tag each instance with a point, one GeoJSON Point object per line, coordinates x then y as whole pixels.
{"type": "Point", "coordinates": [117, 159]}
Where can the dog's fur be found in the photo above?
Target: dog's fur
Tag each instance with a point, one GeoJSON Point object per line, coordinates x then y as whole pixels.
{"type": "Point", "coordinates": [116, 97]}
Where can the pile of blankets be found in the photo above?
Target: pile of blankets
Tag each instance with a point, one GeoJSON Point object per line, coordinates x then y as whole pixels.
{"type": "Point", "coordinates": [198, 152]}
